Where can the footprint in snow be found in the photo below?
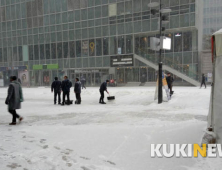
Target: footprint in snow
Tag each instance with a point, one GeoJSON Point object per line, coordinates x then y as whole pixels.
{"type": "Point", "coordinates": [84, 168]}
{"type": "Point", "coordinates": [112, 163]}
{"type": "Point", "coordinates": [45, 147]}
{"type": "Point", "coordinates": [56, 147]}
{"type": "Point", "coordinates": [42, 140]}
{"type": "Point", "coordinates": [14, 166]}
{"type": "Point", "coordinates": [84, 158]}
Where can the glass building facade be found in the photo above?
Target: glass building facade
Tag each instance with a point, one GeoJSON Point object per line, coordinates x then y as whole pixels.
{"type": "Point", "coordinates": [212, 20]}
{"type": "Point", "coordinates": [41, 39]}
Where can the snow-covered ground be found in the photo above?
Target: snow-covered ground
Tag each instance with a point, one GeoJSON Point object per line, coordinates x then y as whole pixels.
{"type": "Point", "coordinates": [116, 136]}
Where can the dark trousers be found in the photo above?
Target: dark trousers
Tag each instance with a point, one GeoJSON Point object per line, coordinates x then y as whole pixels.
{"type": "Point", "coordinates": [203, 83]}
{"type": "Point", "coordinates": [14, 115]}
{"type": "Point", "coordinates": [64, 96]}
{"type": "Point", "coordinates": [55, 96]}
{"type": "Point", "coordinates": [78, 98]}
{"type": "Point", "coordinates": [102, 96]}
{"type": "Point", "coordinates": [170, 87]}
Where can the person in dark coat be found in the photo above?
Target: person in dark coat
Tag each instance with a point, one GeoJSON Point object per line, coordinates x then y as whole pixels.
{"type": "Point", "coordinates": [83, 82]}
{"type": "Point", "coordinates": [170, 80]}
{"type": "Point", "coordinates": [77, 91]}
{"type": "Point", "coordinates": [203, 81]}
{"type": "Point", "coordinates": [14, 99]}
{"type": "Point", "coordinates": [66, 85]}
{"type": "Point", "coordinates": [56, 87]}
{"type": "Point", "coordinates": [103, 88]}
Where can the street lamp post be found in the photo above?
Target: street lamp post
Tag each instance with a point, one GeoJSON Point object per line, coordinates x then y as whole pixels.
{"type": "Point", "coordinates": [160, 84]}
{"type": "Point", "coordinates": [162, 18]}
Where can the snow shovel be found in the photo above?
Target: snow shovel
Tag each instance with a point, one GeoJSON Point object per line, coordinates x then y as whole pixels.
{"type": "Point", "coordinates": [111, 97]}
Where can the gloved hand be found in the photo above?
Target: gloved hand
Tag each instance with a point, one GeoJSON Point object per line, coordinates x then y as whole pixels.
{"type": "Point", "coordinates": [6, 102]}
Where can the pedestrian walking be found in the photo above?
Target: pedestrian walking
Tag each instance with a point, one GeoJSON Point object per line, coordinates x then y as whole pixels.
{"type": "Point", "coordinates": [56, 87]}
{"type": "Point", "coordinates": [83, 82]}
{"type": "Point", "coordinates": [170, 80]}
{"type": "Point", "coordinates": [77, 91]}
{"type": "Point", "coordinates": [66, 85]}
{"type": "Point", "coordinates": [14, 99]}
{"type": "Point", "coordinates": [103, 88]}
{"type": "Point", "coordinates": [203, 82]}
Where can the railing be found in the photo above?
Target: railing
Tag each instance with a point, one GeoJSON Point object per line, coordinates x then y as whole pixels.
{"type": "Point", "coordinates": [188, 70]}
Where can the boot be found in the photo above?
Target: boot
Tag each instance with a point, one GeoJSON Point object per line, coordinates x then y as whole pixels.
{"type": "Point", "coordinates": [20, 119]}
{"type": "Point", "coordinates": [13, 123]}
{"type": "Point", "coordinates": [103, 102]}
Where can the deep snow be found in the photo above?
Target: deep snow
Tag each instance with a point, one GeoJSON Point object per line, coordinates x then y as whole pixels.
{"type": "Point", "coordinates": [116, 136]}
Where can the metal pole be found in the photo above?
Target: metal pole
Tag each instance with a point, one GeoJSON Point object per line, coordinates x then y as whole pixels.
{"type": "Point", "coordinates": [160, 92]}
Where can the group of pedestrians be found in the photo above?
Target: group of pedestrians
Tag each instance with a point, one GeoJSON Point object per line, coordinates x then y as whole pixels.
{"type": "Point", "coordinates": [64, 87]}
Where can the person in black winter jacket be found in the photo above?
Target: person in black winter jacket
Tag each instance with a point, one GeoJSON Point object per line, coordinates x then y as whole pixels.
{"type": "Point", "coordinates": [77, 91]}
{"type": "Point", "coordinates": [170, 80]}
{"type": "Point", "coordinates": [103, 88]}
{"type": "Point", "coordinates": [203, 81]}
{"type": "Point", "coordinates": [66, 85]}
{"type": "Point", "coordinates": [56, 87]}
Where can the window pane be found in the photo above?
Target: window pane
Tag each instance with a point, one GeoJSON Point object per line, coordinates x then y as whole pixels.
{"type": "Point", "coordinates": [136, 5]}
{"type": "Point", "coordinates": [59, 50]}
{"type": "Point", "coordinates": [187, 41]}
{"type": "Point", "coordinates": [105, 31]}
{"type": "Point", "coordinates": [42, 55]}
{"type": "Point", "coordinates": [98, 47]}
{"type": "Point", "coordinates": [112, 29]}
{"type": "Point", "coordinates": [47, 51]}
{"type": "Point", "coordinates": [98, 12]}
{"type": "Point", "coordinates": [20, 53]}
{"type": "Point", "coordinates": [120, 8]}
{"type": "Point", "coordinates": [71, 16]}
{"type": "Point", "coordinates": [72, 49]}
{"type": "Point", "coordinates": [129, 44]}
{"type": "Point", "coordinates": [105, 46]}
{"type": "Point", "coordinates": [177, 42]}
{"type": "Point", "coordinates": [78, 48]}
{"type": "Point", "coordinates": [85, 45]}
{"type": "Point", "coordinates": [31, 55]}
{"type": "Point", "coordinates": [36, 52]}
{"type": "Point", "coordinates": [84, 14]}
{"type": "Point", "coordinates": [128, 7]}
{"type": "Point", "coordinates": [184, 20]}
{"type": "Point", "coordinates": [91, 3]}
{"type": "Point", "coordinates": [91, 33]}
{"type": "Point", "coordinates": [90, 13]}
{"type": "Point", "coordinates": [65, 50]}
{"type": "Point", "coordinates": [77, 15]}
{"type": "Point", "coordinates": [98, 31]}
{"type": "Point", "coordinates": [121, 45]}
{"type": "Point", "coordinates": [84, 33]}
{"type": "Point", "coordinates": [76, 4]}
{"type": "Point", "coordinates": [53, 51]}
{"type": "Point", "coordinates": [113, 45]}
{"type": "Point", "coordinates": [105, 11]}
